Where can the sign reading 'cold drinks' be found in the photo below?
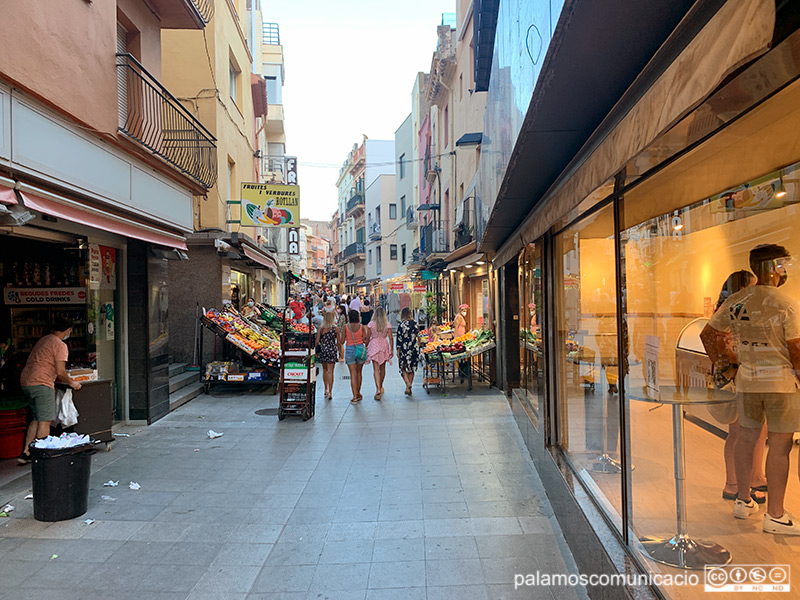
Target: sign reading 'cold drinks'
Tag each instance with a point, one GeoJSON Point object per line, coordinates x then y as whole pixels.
{"type": "Point", "coordinates": [44, 296]}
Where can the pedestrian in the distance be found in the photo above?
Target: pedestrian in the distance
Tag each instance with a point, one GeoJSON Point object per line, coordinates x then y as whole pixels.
{"type": "Point", "coordinates": [46, 364]}
{"type": "Point", "coordinates": [407, 348]}
{"type": "Point", "coordinates": [366, 312]}
{"type": "Point", "coordinates": [341, 323]}
{"type": "Point", "coordinates": [328, 344]}
{"type": "Point", "coordinates": [380, 349]}
{"type": "Point", "coordinates": [356, 338]}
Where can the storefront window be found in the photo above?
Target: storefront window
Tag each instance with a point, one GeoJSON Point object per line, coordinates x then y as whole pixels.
{"type": "Point", "coordinates": [587, 355]}
{"type": "Point", "coordinates": [679, 266]}
{"type": "Point", "coordinates": [531, 343]}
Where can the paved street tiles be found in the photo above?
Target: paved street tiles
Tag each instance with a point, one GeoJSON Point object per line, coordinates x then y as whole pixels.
{"type": "Point", "coordinates": [427, 497]}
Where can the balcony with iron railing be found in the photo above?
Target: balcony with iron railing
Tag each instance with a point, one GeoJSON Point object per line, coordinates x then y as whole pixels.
{"type": "Point", "coordinates": [355, 250]}
{"type": "Point", "coordinates": [356, 201]}
{"type": "Point", "coordinates": [270, 34]}
{"type": "Point", "coordinates": [150, 115]}
{"type": "Point", "coordinates": [412, 222]}
{"type": "Point", "coordinates": [375, 232]}
{"type": "Point", "coordinates": [205, 8]}
{"type": "Point", "coordinates": [433, 239]}
{"type": "Point", "coordinates": [464, 229]}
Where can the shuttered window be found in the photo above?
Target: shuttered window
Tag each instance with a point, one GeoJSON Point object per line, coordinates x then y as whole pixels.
{"type": "Point", "coordinates": [122, 76]}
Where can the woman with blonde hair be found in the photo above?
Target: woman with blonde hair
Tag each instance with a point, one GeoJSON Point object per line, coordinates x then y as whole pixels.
{"type": "Point", "coordinates": [380, 348]}
{"type": "Point", "coordinates": [328, 343]}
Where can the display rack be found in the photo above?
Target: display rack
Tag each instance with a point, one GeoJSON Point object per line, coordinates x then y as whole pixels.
{"type": "Point", "coordinates": [441, 368]}
{"type": "Point", "coordinates": [298, 373]}
{"type": "Point", "coordinates": [268, 365]}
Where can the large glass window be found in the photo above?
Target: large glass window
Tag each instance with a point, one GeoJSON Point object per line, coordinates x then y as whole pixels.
{"type": "Point", "coordinates": [531, 315]}
{"type": "Point", "coordinates": [587, 355]}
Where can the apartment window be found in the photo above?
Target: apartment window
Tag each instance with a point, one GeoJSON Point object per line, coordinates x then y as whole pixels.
{"type": "Point", "coordinates": [393, 252]}
{"type": "Point", "coordinates": [378, 254]}
{"type": "Point", "coordinates": [369, 256]}
{"type": "Point", "coordinates": [403, 254]}
{"type": "Point", "coordinates": [402, 162]}
{"type": "Point", "coordinates": [235, 76]}
{"type": "Point", "coordinates": [378, 215]}
{"type": "Point", "coordinates": [393, 211]}
{"type": "Point", "coordinates": [273, 91]}
{"type": "Point", "coordinates": [402, 205]}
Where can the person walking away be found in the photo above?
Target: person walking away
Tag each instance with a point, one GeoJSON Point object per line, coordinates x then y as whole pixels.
{"type": "Point", "coordinates": [407, 348]}
{"type": "Point", "coordinates": [366, 313]}
{"type": "Point", "coordinates": [380, 349]}
{"type": "Point", "coordinates": [356, 337]}
{"type": "Point", "coordinates": [46, 364]}
{"type": "Point", "coordinates": [341, 323]}
{"type": "Point", "coordinates": [738, 281]}
{"type": "Point", "coordinates": [355, 303]}
{"type": "Point", "coordinates": [762, 356]}
{"type": "Point", "coordinates": [328, 344]}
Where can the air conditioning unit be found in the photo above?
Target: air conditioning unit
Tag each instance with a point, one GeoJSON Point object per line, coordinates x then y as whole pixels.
{"type": "Point", "coordinates": [431, 175]}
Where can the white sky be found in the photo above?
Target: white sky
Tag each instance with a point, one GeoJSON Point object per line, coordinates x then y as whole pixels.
{"type": "Point", "coordinates": [350, 68]}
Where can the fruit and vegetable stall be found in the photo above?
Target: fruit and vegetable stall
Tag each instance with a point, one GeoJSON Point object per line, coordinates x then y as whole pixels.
{"type": "Point", "coordinates": [466, 357]}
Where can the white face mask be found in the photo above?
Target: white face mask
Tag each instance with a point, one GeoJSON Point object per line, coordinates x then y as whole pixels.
{"type": "Point", "coordinates": [250, 304]}
{"type": "Point", "coordinates": [65, 338]}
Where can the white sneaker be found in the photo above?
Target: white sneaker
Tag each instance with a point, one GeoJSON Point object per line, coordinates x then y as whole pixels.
{"type": "Point", "coordinates": [742, 509]}
{"type": "Point", "coordinates": [786, 525]}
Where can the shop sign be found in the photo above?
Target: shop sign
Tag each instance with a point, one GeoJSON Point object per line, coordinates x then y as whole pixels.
{"type": "Point", "coordinates": [293, 241]}
{"type": "Point", "coordinates": [109, 318]}
{"type": "Point", "coordinates": [291, 170]}
{"type": "Point", "coordinates": [44, 296]}
{"type": "Point", "coordinates": [95, 265]}
{"type": "Point", "coordinates": [430, 275]}
{"type": "Point", "coordinates": [270, 205]}
{"type": "Point", "coordinates": [293, 371]}
{"type": "Point", "coordinates": [397, 286]}
{"type": "Point", "coordinates": [420, 288]}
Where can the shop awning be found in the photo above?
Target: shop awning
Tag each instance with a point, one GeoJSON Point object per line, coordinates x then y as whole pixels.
{"type": "Point", "coordinates": [7, 195]}
{"type": "Point", "coordinates": [260, 258]}
{"type": "Point", "coordinates": [470, 139]}
{"type": "Point", "coordinates": [77, 212]}
{"type": "Point", "coordinates": [462, 251]}
{"type": "Point", "coordinates": [468, 260]}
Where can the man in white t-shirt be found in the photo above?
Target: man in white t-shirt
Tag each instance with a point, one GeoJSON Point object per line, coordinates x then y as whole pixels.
{"type": "Point", "coordinates": [355, 303]}
{"type": "Point", "coordinates": [754, 337]}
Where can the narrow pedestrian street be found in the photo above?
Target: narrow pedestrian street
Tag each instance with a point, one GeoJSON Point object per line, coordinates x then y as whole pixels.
{"type": "Point", "coordinates": [431, 496]}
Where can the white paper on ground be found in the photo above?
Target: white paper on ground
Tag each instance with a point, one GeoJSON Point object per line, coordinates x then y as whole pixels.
{"type": "Point", "coordinates": [29, 497]}
{"type": "Point", "coordinates": [89, 521]}
{"type": "Point", "coordinates": [134, 486]}
{"type": "Point", "coordinates": [7, 508]}
{"type": "Point", "coordinates": [109, 498]}
{"type": "Point", "coordinates": [122, 435]}
{"type": "Point", "coordinates": [213, 434]}
{"type": "Point", "coordinates": [111, 483]}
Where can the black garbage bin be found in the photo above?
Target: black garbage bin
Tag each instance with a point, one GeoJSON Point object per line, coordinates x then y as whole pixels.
{"type": "Point", "coordinates": [61, 482]}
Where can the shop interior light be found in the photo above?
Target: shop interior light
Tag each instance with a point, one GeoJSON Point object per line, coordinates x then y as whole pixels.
{"type": "Point", "coordinates": [479, 262]}
{"type": "Point", "coordinates": [467, 266]}
{"type": "Point", "coordinates": [678, 227]}
{"type": "Point", "coordinates": [780, 191]}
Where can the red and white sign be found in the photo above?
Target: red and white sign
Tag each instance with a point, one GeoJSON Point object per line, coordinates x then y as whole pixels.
{"type": "Point", "coordinates": [396, 286]}
{"type": "Point", "coordinates": [95, 266]}
{"type": "Point", "coordinates": [420, 288]}
{"type": "Point", "coordinates": [44, 296]}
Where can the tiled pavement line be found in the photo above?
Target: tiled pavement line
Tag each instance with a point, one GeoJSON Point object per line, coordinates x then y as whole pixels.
{"type": "Point", "coordinates": [424, 527]}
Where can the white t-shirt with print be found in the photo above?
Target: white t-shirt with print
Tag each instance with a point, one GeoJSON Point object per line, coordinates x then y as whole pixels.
{"type": "Point", "coordinates": [760, 319]}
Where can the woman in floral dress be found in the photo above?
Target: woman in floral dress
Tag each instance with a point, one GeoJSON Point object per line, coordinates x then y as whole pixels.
{"type": "Point", "coordinates": [379, 349]}
{"type": "Point", "coordinates": [407, 348]}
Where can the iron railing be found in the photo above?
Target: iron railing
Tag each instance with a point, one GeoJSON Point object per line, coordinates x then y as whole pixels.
{"type": "Point", "coordinates": [152, 116]}
{"type": "Point", "coordinates": [271, 34]}
{"type": "Point", "coordinates": [375, 232]}
{"type": "Point", "coordinates": [411, 218]}
{"type": "Point", "coordinates": [356, 199]}
{"type": "Point", "coordinates": [433, 239]}
{"type": "Point", "coordinates": [360, 235]}
{"type": "Point", "coordinates": [353, 249]}
{"type": "Point", "coordinates": [464, 228]}
{"type": "Point", "coordinates": [205, 8]}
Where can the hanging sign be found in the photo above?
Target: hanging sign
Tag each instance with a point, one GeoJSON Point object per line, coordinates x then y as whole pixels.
{"type": "Point", "coordinates": [293, 241]}
{"type": "Point", "coordinates": [95, 266]}
{"type": "Point", "coordinates": [270, 205]}
{"type": "Point", "coordinates": [430, 275]}
{"type": "Point", "coordinates": [420, 288]}
{"type": "Point", "coordinates": [396, 286]}
{"type": "Point", "coordinates": [40, 296]}
{"type": "Point", "coordinates": [291, 170]}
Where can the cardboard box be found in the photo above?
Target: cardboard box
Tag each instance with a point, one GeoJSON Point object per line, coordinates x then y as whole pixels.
{"type": "Point", "coordinates": [83, 374]}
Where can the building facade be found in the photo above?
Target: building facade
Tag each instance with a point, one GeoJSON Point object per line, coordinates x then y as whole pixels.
{"type": "Point", "coordinates": [99, 165]}
{"type": "Point", "coordinates": [610, 256]}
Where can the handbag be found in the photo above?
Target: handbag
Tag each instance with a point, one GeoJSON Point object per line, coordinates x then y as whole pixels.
{"type": "Point", "coordinates": [361, 349]}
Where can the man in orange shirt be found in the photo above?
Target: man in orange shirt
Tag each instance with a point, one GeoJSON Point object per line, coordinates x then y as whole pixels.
{"type": "Point", "coordinates": [46, 364]}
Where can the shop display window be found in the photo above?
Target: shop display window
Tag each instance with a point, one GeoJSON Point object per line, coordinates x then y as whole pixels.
{"type": "Point", "coordinates": [586, 356]}
{"type": "Point", "coordinates": [530, 327]}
